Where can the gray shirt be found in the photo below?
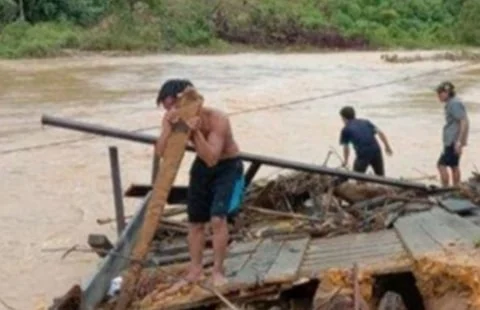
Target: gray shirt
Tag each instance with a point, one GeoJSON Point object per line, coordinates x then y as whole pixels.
{"type": "Point", "coordinates": [454, 113]}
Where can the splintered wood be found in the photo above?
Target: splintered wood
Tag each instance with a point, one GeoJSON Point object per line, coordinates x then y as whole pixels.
{"type": "Point", "coordinates": [189, 105]}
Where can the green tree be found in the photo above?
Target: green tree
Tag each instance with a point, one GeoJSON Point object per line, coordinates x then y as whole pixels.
{"type": "Point", "coordinates": [468, 28]}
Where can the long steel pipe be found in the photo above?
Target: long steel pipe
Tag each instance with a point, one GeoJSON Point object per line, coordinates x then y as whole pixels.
{"type": "Point", "coordinates": [264, 160]}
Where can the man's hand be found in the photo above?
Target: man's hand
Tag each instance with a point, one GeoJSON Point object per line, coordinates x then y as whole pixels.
{"type": "Point", "coordinates": [194, 123]}
{"type": "Point", "coordinates": [171, 116]}
{"type": "Point", "coordinates": [389, 151]}
{"type": "Point", "coordinates": [345, 164]}
{"type": "Point", "coordinates": [458, 148]}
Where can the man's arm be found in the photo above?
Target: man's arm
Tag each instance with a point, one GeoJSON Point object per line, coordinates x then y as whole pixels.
{"type": "Point", "coordinates": [463, 132]}
{"type": "Point", "coordinates": [382, 137]}
{"type": "Point", "coordinates": [344, 141]}
{"type": "Point", "coordinates": [384, 140]}
{"type": "Point", "coordinates": [209, 149]}
{"type": "Point", "coordinates": [457, 110]}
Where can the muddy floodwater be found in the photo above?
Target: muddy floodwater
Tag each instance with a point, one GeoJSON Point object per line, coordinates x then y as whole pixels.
{"type": "Point", "coordinates": [51, 194]}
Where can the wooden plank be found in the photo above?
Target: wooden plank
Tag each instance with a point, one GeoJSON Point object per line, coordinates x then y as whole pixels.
{"type": "Point", "coordinates": [468, 230]}
{"type": "Point", "coordinates": [235, 263]}
{"type": "Point", "coordinates": [413, 235]}
{"type": "Point", "coordinates": [257, 267]}
{"type": "Point", "coordinates": [457, 205]}
{"type": "Point", "coordinates": [188, 105]}
{"type": "Point", "coordinates": [288, 261]}
{"type": "Point", "coordinates": [239, 254]}
{"type": "Point", "coordinates": [242, 247]}
{"type": "Point", "coordinates": [379, 252]}
{"type": "Point", "coordinates": [436, 233]}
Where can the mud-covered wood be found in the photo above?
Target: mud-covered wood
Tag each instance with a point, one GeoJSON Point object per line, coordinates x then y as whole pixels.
{"type": "Point", "coordinates": [285, 267]}
{"type": "Point", "coordinates": [189, 105]}
{"type": "Point", "coordinates": [255, 270]}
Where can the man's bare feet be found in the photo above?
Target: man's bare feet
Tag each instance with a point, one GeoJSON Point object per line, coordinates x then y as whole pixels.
{"type": "Point", "coordinates": [193, 275]}
{"type": "Point", "coordinates": [218, 279]}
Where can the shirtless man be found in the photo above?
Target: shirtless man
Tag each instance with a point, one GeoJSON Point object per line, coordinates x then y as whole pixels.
{"type": "Point", "coordinates": [216, 178]}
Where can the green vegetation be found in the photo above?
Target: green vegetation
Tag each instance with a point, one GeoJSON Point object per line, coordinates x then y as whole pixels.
{"type": "Point", "coordinates": [37, 28]}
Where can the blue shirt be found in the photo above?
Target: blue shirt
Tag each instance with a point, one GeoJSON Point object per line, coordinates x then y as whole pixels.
{"type": "Point", "coordinates": [361, 133]}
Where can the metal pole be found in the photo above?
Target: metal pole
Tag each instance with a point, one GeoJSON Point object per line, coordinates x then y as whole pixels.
{"type": "Point", "coordinates": [264, 160]}
{"type": "Point", "coordinates": [117, 189]}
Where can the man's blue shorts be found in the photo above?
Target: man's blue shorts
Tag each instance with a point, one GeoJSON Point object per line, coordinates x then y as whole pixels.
{"type": "Point", "coordinates": [215, 191]}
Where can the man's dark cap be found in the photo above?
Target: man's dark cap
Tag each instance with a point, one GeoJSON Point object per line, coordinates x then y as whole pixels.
{"type": "Point", "coordinates": [172, 88]}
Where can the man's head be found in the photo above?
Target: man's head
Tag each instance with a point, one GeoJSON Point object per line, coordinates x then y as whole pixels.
{"type": "Point", "coordinates": [445, 91]}
{"type": "Point", "coordinates": [168, 93]}
{"type": "Point", "coordinates": [347, 113]}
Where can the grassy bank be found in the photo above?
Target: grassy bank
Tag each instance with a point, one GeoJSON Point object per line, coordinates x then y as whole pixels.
{"type": "Point", "coordinates": [50, 26]}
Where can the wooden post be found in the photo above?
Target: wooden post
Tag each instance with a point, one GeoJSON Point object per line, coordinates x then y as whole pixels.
{"type": "Point", "coordinates": [189, 106]}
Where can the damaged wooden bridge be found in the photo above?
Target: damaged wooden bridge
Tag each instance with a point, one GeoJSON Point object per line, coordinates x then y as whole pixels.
{"type": "Point", "coordinates": [437, 243]}
{"type": "Point", "coordinates": [266, 267]}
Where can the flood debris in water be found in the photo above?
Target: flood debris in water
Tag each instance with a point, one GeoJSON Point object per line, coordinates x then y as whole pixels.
{"type": "Point", "coordinates": [445, 56]}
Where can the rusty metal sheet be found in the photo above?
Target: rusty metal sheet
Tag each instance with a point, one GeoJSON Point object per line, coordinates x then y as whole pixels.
{"type": "Point", "coordinates": [379, 252]}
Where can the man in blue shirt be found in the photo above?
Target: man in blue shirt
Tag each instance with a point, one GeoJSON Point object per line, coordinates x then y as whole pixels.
{"type": "Point", "coordinates": [455, 133]}
{"type": "Point", "coordinates": [361, 133]}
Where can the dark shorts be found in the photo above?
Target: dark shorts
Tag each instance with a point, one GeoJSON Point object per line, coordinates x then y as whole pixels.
{"type": "Point", "coordinates": [449, 157]}
{"type": "Point", "coordinates": [373, 159]}
{"type": "Point", "coordinates": [216, 191]}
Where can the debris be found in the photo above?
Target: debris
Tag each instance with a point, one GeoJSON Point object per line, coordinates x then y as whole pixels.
{"type": "Point", "coordinates": [450, 56]}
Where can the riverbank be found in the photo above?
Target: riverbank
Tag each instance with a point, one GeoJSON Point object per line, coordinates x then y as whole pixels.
{"type": "Point", "coordinates": [231, 26]}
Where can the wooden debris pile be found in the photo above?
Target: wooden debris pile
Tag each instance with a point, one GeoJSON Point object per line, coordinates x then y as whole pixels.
{"type": "Point", "coordinates": [471, 189]}
{"type": "Point", "coordinates": [315, 205]}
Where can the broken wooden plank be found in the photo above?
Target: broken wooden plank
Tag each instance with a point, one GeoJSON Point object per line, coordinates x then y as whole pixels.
{"type": "Point", "coordinates": [235, 263]}
{"type": "Point", "coordinates": [239, 254]}
{"type": "Point", "coordinates": [188, 106]}
{"type": "Point", "coordinates": [463, 226]}
{"type": "Point", "coordinates": [414, 237]}
{"type": "Point", "coordinates": [284, 214]}
{"type": "Point", "coordinates": [435, 233]}
{"type": "Point", "coordinates": [457, 205]}
{"type": "Point", "coordinates": [288, 262]}
{"type": "Point", "coordinates": [257, 267]}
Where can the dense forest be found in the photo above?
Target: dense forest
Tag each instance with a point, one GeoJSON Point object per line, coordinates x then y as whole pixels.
{"type": "Point", "coordinates": [37, 28]}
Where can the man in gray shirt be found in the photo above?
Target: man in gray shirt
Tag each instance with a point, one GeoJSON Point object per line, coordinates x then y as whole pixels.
{"type": "Point", "coordinates": [455, 133]}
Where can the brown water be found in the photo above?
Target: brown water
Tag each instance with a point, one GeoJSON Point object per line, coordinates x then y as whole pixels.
{"type": "Point", "coordinates": [52, 196]}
